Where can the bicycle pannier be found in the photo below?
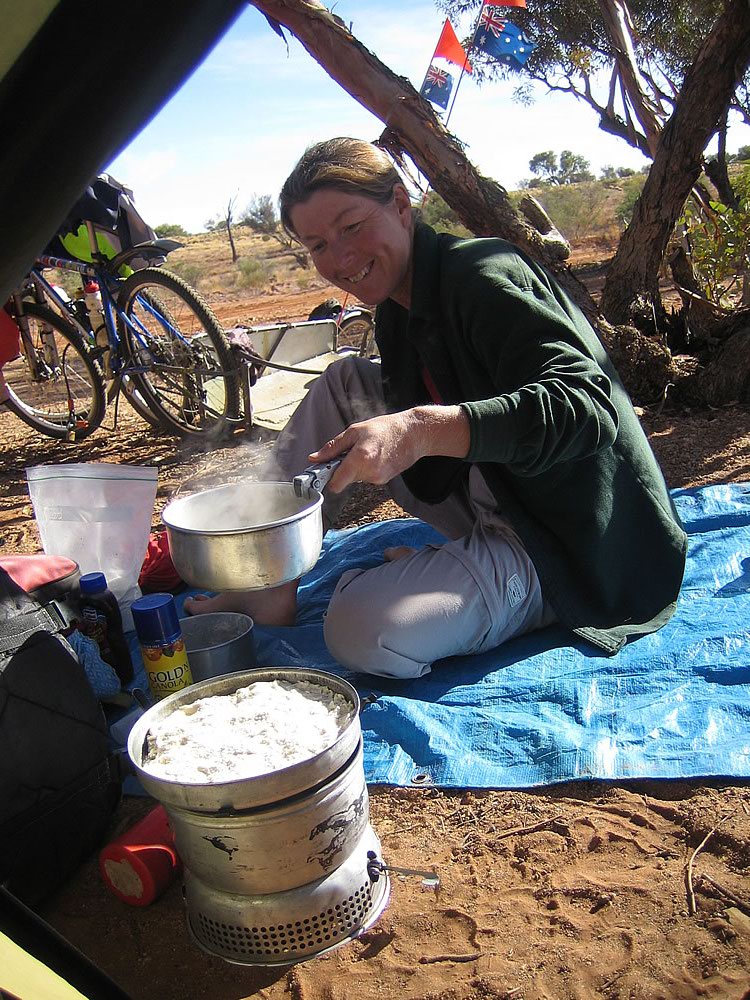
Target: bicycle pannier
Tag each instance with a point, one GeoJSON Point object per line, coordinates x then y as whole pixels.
{"type": "Point", "coordinates": [10, 337]}
{"type": "Point", "coordinates": [109, 205]}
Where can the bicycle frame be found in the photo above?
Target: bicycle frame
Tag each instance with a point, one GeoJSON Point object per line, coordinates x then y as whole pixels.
{"type": "Point", "coordinates": [146, 333]}
{"type": "Point", "coordinates": [131, 349]}
{"type": "Point", "coordinates": [37, 281]}
{"type": "Point", "coordinates": [110, 308]}
{"type": "Point", "coordinates": [50, 347]}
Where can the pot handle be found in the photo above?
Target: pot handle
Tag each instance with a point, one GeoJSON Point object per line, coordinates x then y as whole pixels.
{"type": "Point", "coordinates": [315, 477]}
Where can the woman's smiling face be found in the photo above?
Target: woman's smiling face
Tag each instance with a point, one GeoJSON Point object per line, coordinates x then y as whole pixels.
{"type": "Point", "coordinates": [358, 244]}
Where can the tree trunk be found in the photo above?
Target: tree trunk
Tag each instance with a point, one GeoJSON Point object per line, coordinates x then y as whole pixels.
{"type": "Point", "coordinates": [726, 379]}
{"type": "Point", "coordinates": [718, 173]}
{"type": "Point", "coordinates": [719, 65]}
{"type": "Point", "coordinates": [699, 314]}
{"type": "Point", "coordinates": [228, 223]}
{"type": "Point", "coordinates": [231, 242]}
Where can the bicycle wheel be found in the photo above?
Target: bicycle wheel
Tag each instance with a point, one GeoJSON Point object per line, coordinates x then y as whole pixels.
{"type": "Point", "coordinates": [178, 356]}
{"type": "Point", "coordinates": [54, 385]}
{"type": "Point", "coordinates": [359, 332]}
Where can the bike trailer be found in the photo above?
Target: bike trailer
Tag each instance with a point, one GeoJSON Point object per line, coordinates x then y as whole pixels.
{"type": "Point", "coordinates": [118, 225]}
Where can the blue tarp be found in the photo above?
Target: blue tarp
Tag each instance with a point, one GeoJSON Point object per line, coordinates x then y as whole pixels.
{"type": "Point", "coordinates": [541, 710]}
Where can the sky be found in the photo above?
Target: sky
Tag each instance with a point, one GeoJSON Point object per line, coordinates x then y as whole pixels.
{"type": "Point", "coordinates": [239, 124]}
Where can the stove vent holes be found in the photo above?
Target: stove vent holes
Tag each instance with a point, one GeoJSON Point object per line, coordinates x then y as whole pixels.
{"type": "Point", "coordinates": [307, 935]}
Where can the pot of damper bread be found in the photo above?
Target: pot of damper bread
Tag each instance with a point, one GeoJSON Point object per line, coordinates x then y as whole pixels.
{"type": "Point", "coordinates": [261, 775]}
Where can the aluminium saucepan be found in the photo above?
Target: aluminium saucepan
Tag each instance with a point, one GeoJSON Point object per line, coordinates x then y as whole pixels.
{"type": "Point", "coordinates": [246, 535]}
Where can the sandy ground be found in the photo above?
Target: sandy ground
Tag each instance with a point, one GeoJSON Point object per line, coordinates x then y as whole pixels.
{"type": "Point", "coordinates": [577, 891]}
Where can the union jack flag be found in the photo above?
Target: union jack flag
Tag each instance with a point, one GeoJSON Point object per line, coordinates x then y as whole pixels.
{"type": "Point", "coordinates": [438, 77]}
{"type": "Point", "coordinates": [437, 86]}
{"type": "Point", "coordinates": [491, 20]}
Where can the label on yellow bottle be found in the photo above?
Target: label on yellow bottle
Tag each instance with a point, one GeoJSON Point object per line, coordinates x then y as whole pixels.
{"type": "Point", "coordinates": [167, 668]}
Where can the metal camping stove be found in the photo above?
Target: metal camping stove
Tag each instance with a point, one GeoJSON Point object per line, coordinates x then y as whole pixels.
{"type": "Point", "coordinates": [281, 867]}
{"type": "Point", "coordinates": [280, 928]}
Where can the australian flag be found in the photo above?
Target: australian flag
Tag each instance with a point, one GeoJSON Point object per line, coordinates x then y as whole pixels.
{"type": "Point", "coordinates": [502, 40]}
{"type": "Point", "coordinates": [437, 86]}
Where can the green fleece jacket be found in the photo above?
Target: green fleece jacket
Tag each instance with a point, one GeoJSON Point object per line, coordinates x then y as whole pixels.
{"type": "Point", "coordinates": [552, 430]}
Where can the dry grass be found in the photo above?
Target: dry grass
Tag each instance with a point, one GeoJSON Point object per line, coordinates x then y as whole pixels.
{"type": "Point", "coordinates": [209, 256]}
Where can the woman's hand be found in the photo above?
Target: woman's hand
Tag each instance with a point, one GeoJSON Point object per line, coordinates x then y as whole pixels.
{"type": "Point", "coordinates": [381, 448]}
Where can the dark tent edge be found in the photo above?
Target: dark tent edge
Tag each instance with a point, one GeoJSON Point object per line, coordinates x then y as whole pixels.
{"type": "Point", "coordinates": [83, 87]}
{"type": "Point", "coordinates": [37, 938]}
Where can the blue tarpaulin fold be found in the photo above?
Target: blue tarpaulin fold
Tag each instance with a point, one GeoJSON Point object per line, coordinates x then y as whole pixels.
{"type": "Point", "coordinates": [540, 709]}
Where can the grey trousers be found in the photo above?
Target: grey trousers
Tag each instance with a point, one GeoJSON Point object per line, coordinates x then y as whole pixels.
{"type": "Point", "coordinates": [468, 595]}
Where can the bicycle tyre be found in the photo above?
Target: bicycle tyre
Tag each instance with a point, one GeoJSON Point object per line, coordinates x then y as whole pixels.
{"type": "Point", "coordinates": [45, 404]}
{"type": "Point", "coordinates": [181, 360]}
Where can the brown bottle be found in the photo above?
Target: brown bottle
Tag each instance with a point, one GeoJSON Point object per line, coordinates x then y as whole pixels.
{"type": "Point", "coordinates": [101, 620]}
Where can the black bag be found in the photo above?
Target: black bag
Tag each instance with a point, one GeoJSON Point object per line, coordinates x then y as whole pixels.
{"type": "Point", "coordinates": [59, 781]}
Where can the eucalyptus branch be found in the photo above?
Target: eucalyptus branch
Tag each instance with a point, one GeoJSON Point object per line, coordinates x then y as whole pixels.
{"type": "Point", "coordinates": [590, 99]}
{"type": "Point", "coordinates": [569, 89]}
{"type": "Point", "coordinates": [613, 79]}
{"type": "Point", "coordinates": [661, 95]}
{"type": "Point", "coordinates": [626, 104]}
{"type": "Point", "coordinates": [614, 125]}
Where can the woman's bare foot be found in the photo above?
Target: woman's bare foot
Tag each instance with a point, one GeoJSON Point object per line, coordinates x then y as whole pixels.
{"type": "Point", "coordinates": [398, 552]}
{"type": "Point", "coordinates": [272, 606]}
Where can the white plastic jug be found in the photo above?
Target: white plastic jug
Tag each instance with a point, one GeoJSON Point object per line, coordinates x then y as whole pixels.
{"type": "Point", "coordinates": [98, 514]}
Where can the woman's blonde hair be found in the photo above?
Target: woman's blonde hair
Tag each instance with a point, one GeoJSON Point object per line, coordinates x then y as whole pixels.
{"type": "Point", "coordinates": [350, 165]}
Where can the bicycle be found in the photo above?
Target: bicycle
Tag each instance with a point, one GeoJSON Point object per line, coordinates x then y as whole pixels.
{"type": "Point", "coordinates": [157, 341]}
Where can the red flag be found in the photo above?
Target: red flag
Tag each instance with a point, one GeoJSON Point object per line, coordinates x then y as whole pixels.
{"type": "Point", "coordinates": [449, 47]}
{"type": "Point", "coordinates": [505, 3]}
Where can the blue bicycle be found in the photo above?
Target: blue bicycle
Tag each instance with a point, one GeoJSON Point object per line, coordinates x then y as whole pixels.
{"type": "Point", "coordinates": [149, 335]}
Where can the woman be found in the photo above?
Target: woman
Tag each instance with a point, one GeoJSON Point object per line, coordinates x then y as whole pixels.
{"type": "Point", "coordinates": [495, 416]}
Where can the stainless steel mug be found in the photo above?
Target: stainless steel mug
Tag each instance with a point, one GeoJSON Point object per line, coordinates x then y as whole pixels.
{"type": "Point", "coordinates": [218, 643]}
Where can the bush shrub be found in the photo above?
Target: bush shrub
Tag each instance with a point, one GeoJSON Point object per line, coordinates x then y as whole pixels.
{"type": "Point", "coordinates": [578, 210]}
{"type": "Point", "coordinates": [187, 270]}
{"type": "Point", "coordinates": [169, 230]}
{"type": "Point", "coordinates": [251, 273]}
{"type": "Point", "coordinates": [631, 188]}
{"type": "Point", "coordinates": [436, 213]}
{"type": "Point", "coordinates": [720, 243]}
